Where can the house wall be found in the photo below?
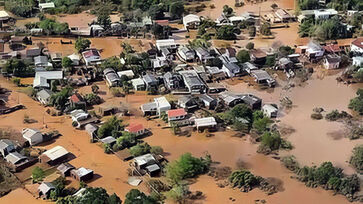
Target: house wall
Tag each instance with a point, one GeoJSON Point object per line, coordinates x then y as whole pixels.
{"type": "Point", "coordinates": [36, 139]}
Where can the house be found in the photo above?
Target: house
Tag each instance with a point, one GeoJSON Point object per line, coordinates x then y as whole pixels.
{"type": "Point", "coordinates": [325, 13]}
{"type": "Point", "coordinates": [248, 67]}
{"type": "Point", "coordinates": [112, 79]}
{"type": "Point", "coordinates": [162, 105]}
{"type": "Point", "coordinates": [192, 81]}
{"type": "Point", "coordinates": [357, 46]}
{"type": "Point", "coordinates": [4, 16]}
{"type": "Point", "coordinates": [270, 110]}
{"type": "Point", "coordinates": [187, 102]}
{"type": "Point", "coordinates": [285, 63]}
{"type": "Point", "coordinates": [91, 57]}
{"type": "Point", "coordinates": [6, 146]}
{"type": "Point", "coordinates": [186, 54]}
{"type": "Point", "coordinates": [138, 84]}
{"type": "Point", "coordinates": [33, 136]}
{"type": "Point", "coordinates": [76, 101]}
{"type": "Point", "coordinates": [36, 31]}
{"type": "Point", "coordinates": [215, 73]}
{"type": "Point", "coordinates": [258, 56]}
{"type": "Point", "coordinates": [205, 123]}
{"type": "Point", "coordinates": [314, 50]}
{"type": "Point", "coordinates": [159, 62]}
{"type": "Point", "coordinates": [136, 128]}
{"type": "Point", "coordinates": [166, 43]}
{"type": "Point", "coordinates": [149, 108]}
{"type": "Point", "coordinates": [150, 81]}
{"type": "Point", "coordinates": [332, 61]}
{"type": "Point", "coordinates": [333, 49]}
{"type": "Point", "coordinates": [41, 63]}
{"type": "Point", "coordinates": [53, 156]}
{"type": "Point", "coordinates": [228, 55]}
{"type": "Point", "coordinates": [203, 54]}
{"type": "Point", "coordinates": [128, 73]}
{"type": "Point", "coordinates": [357, 61]}
{"type": "Point", "coordinates": [75, 59]}
{"type": "Point", "coordinates": [42, 78]}
{"type": "Point", "coordinates": [33, 52]}
{"type": "Point", "coordinates": [91, 129]}
{"type": "Point", "coordinates": [45, 189]}
{"type": "Point", "coordinates": [230, 69]}
{"type": "Point", "coordinates": [56, 57]}
{"type": "Point", "coordinates": [82, 174]}
{"type": "Point", "coordinates": [208, 101]}
{"type": "Point", "coordinates": [262, 77]}
{"type": "Point", "coordinates": [79, 115]}
{"type": "Point", "coordinates": [191, 21]}
{"type": "Point", "coordinates": [177, 115]}
{"type": "Point", "coordinates": [252, 101]}
{"type": "Point", "coordinates": [147, 163]}
{"type": "Point", "coordinates": [172, 81]}
{"type": "Point", "coordinates": [43, 96]}
{"type": "Point", "coordinates": [46, 6]}
{"type": "Point", "coordinates": [65, 169]}
{"type": "Point", "coordinates": [283, 15]}
{"type": "Point", "coordinates": [230, 99]}
{"type": "Point", "coordinates": [16, 159]}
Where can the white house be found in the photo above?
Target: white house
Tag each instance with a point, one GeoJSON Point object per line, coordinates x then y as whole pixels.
{"type": "Point", "coordinates": [91, 56]}
{"type": "Point", "coordinates": [138, 84]}
{"type": "Point", "coordinates": [128, 73]}
{"type": "Point", "coordinates": [208, 122]}
{"type": "Point", "coordinates": [270, 110]}
{"type": "Point", "coordinates": [44, 6]}
{"type": "Point", "coordinates": [358, 61]}
{"type": "Point", "coordinates": [332, 61]}
{"type": "Point", "coordinates": [33, 136]}
{"type": "Point", "coordinates": [357, 46]}
{"type": "Point", "coordinates": [79, 115]}
{"type": "Point", "coordinates": [75, 59]}
{"type": "Point", "coordinates": [191, 21]}
{"type": "Point", "coordinates": [43, 96]}
{"type": "Point", "coordinates": [42, 78]}
{"type": "Point", "coordinates": [162, 105]}
{"type": "Point", "coordinates": [167, 43]}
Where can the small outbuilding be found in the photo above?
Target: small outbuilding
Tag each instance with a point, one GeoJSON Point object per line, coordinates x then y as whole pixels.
{"type": "Point", "coordinates": [65, 169]}
{"type": "Point", "coordinates": [44, 189]}
{"type": "Point", "coordinates": [82, 174]}
{"type": "Point", "coordinates": [203, 123]}
{"type": "Point", "coordinates": [33, 136]}
{"type": "Point", "coordinates": [270, 110]}
{"type": "Point", "coordinates": [54, 156]}
{"type": "Point", "coordinates": [6, 146]}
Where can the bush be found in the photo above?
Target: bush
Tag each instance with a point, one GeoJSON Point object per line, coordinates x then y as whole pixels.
{"type": "Point", "coordinates": [356, 159]}
{"type": "Point", "coordinates": [116, 92]}
{"type": "Point", "coordinates": [136, 196]}
{"type": "Point", "coordinates": [16, 81]}
{"type": "Point", "coordinates": [244, 179]}
{"type": "Point", "coordinates": [140, 149]}
{"type": "Point", "coordinates": [335, 115]}
{"type": "Point", "coordinates": [92, 99]}
{"type": "Point", "coordinates": [243, 56]}
{"type": "Point", "coordinates": [316, 116]}
{"type": "Point", "coordinates": [38, 174]}
{"type": "Point", "coordinates": [250, 46]}
{"type": "Point", "coordinates": [111, 125]}
{"type": "Point", "coordinates": [356, 103]}
{"type": "Point", "coordinates": [157, 150]}
{"type": "Point", "coordinates": [272, 141]}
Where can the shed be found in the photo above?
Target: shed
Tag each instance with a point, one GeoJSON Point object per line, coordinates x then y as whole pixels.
{"type": "Point", "coordinates": [6, 146]}
{"type": "Point", "coordinates": [15, 158]}
{"type": "Point", "coordinates": [43, 6]}
{"type": "Point", "coordinates": [91, 130]}
{"type": "Point", "coordinates": [33, 136]}
{"type": "Point", "coordinates": [191, 21]}
{"type": "Point", "coordinates": [65, 169]}
{"type": "Point", "coordinates": [108, 140]}
{"type": "Point", "coordinates": [82, 174]}
{"type": "Point", "coordinates": [53, 156]}
{"type": "Point", "coordinates": [138, 84]}
{"type": "Point", "coordinates": [208, 122]}
{"type": "Point", "coordinates": [44, 95]}
{"type": "Point", "coordinates": [208, 101]}
{"type": "Point", "coordinates": [270, 110]}
{"type": "Point", "coordinates": [45, 188]}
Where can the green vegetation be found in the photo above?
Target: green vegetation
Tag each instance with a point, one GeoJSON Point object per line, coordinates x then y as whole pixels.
{"type": "Point", "coordinates": [344, 5]}
{"type": "Point", "coordinates": [227, 32]}
{"type": "Point", "coordinates": [272, 141]}
{"type": "Point", "coordinates": [67, 63]}
{"type": "Point", "coordinates": [238, 115]}
{"type": "Point", "coordinates": [228, 11]}
{"type": "Point", "coordinates": [52, 27]}
{"type": "Point", "coordinates": [125, 140]}
{"type": "Point", "coordinates": [250, 46]}
{"type": "Point", "coordinates": [329, 29]}
{"type": "Point", "coordinates": [335, 115]}
{"type": "Point", "coordinates": [17, 67]}
{"type": "Point", "coordinates": [356, 103]}
{"type": "Point", "coordinates": [92, 99]}
{"type": "Point", "coordinates": [38, 174]}
{"type": "Point", "coordinates": [135, 196]}
{"type": "Point", "coordinates": [265, 29]}
{"type": "Point", "coordinates": [97, 195]}
{"type": "Point", "coordinates": [110, 128]}
{"type": "Point", "coordinates": [20, 8]}
{"type": "Point", "coordinates": [244, 180]}
{"type": "Point", "coordinates": [187, 166]}
{"type": "Point", "coordinates": [243, 56]}
{"type": "Point", "coordinates": [178, 193]}
{"type": "Point", "coordinates": [157, 150]}
{"type": "Point", "coordinates": [82, 44]}
{"type": "Point", "coordinates": [140, 149]}
{"type": "Point", "coordinates": [357, 158]}
{"type": "Point", "coordinates": [308, 4]}
{"type": "Point", "coordinates": [60, 99]}
{"type": "Point", "coordinates": [326, 176]}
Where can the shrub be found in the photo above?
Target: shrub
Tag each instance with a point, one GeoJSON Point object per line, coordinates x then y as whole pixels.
{"type": "Point", "coordinates": [156, 150]}
{"type": "Point", "coordinates": [16, 81]}
{"type": "Point", "coordinates": [356, 159]}
{"type": "Point", "coordinates": [244, 179]}
{"type": "Point", "coordinates": [356, 103]}
{"type": "Point", "coordinates": [116, 92]}
{"type": "Point", "coordinates": [335, 115]}
{"type": "Point", "coordinates": [140, 149]}
{"type": "Point", "coordinates": [38, 174]}
{"type": "Point", "coordinates": [250, 46]}
{"type": "Point", "coordinates": [316, 116]}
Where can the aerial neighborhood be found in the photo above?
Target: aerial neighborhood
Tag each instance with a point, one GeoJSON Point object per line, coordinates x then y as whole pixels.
{"type": "Point", "coordinates": [166, 101]}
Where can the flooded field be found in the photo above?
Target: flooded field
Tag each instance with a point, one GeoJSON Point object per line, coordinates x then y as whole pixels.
{"type": "Point", "coordinates": [77, 20]}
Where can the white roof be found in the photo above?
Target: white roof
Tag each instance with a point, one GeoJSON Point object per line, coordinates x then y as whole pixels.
{"type": "Point", "coordinates": [41, 77]}
{"type": "Point", "coordinates": [236, 18]}
{"type": "Point", "coordinates": [74, 56]}
{"type": "Point", "coordinates": [83, 171]}
{"type": "Point", "coordinates": [128, 73]}
{"type": "Point", "coordinates": [137, 82]}
{"type": "Point", "coordinates": [162, 102]}
{"type": "Point", "coordinates": [190, 19]}
{"type": "Point", "coordinates": [46, 5]}
{"type": "Point", "coordinates": [144, 159]}
{"type": "Point", "coordinates": [269, 108]}
{"type": "Point", "coordinates": [4, 14]}
{"type": "Point", "coordinates": [209, 121]}
{"type": "Point", "coordinates": [56, 152]}
{"type": "Point", "coordinates": [29, 132]}
{"type": "Point", "coordinates": [165, 42]}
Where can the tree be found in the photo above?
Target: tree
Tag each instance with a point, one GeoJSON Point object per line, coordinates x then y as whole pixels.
{"type": "Point", "coordinates": [356, 160]}
{"type": "Point", "coordinates": [227, 32]}
{"type": "Point", "coordinates": [95, 88]}
{"type": "Point", "coordinates": [270, 60]}
{"type": "Point", "coordinates": [244, 179]}
{"type": "Point", "coordinates": [274, 6]}
{"type": "Point", "coordinates": [178, 193]}
{"type": "Point", "coordinates": [157, 150]}
{"type": "Point", "coordinates": [176, 9]}
{"type": "Point", "coordinates": [99, 196]}
{"type": "Point", "coordinates": [140, 149]}
{"type": "Point", "coordinates": [228, 11]}
{"type": "Point", "coordinates": [92, 99]}
{"type": "Point", "coordinates": [308, 4]}
{"type": "Point", "coordinates": [265, 29]}
{"type": "Point", "coordinates": [60, 99]}
{"type": "Point", "coordinates": [110, 125]}
{"type": "Point", "coordinates": [250, 46]}
{"type": "Point", "coordinates": [215, 62]}
{"type": "Point", "coordinates": [104, 20]}
{"type": "Point", "coordinates": [156, 12]}
{"type": "Point", "coordinates": [82, 44]}
{"type": "Point", "coordinates": [67, 62]}
{"type": "Point", "coordinates": [126, 140]}
{"type": "Point", "coordinates": [15, 66]}
{"type": "Point", "coordinates": [135, 196]}
{"type": "Point", "coordinates": [356, 103]}
{"type": "Point", "coordinates": [38, 174]}
{"type": "Point", "coordinates": [186, 166]}
{"type": "Point", "coordinates": [243, 56]}
{"type": "Point", "coordinates": [261, 124]}
{"type": "Point", "coordinates": [252, 31]}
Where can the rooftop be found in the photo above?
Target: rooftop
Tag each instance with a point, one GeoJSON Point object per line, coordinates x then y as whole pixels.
{"type": "Point", "coordinates": [176, 112]}
{"type": "Point", "coordinates": [56, 152]}
{"type": "Point", "coordinates": [134, 128]}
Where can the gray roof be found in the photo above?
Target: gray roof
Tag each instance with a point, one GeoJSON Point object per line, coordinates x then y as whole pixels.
{"type": "Point", "coordinates": [191, 78]}
{"type": "Point", "coordinates": [41, 60]}
{"type": "Point", "coordinates": [108, 140]}
{"type": "Point", "coordinates": [228, 97]}
{"type": "Point", "coordinates": [185, 99]}
{"type": "Point", "coordinates": [149, 79]}
{"type": "Point", "coordinates": [91, 128]}
{"type": "Point", "coordinates": [4, 143]}
{"type": "Point", "coordinates": [44, 94]}
{"type": "Point", "coordinates": [261, 75]}
{"type": "Point", "coordinates": [149, 106]}
{"type": "Point", "coordinates": [108, 70]}
{"type": "Point", "coordinates": [214, 70]}
{"type": "Point", "coordinates": [65, 167]}
{"type": "Point", "coordinates": [14, 157]}
{"type": "Point", "coordinates": [152, 168]}
{"type": "Point", "coordinates": [203, 52]}
{"type": "Point", "coordinates": [144, 159]}
{"type": "Point", "coordinates": [45, 187]}
{"type": "Point", "coordinates": [250, 99]}
{"type": "Point", "coordinates": [333, 58]}
{"type": "Point", "coordinates": [206, 98]}
{"type": "Point", "coordinates": [83, 171]}
{"type": "Point", "coordinates": [232, 67]}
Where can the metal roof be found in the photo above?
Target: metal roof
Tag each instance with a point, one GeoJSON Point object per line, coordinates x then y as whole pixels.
{"type": "Point", "coordinates": [56, 152]}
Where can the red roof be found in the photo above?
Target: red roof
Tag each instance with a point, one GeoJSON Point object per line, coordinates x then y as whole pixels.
{"type": "Point", "coordinates": [176, 112]}
{"type": "Point", "coordinates": [76, 98]}
{"type": "Point", "coordinates": [134, 128]}
{"type": "Point", "coordinates": [333, 48]}
{"type": "Point", "coordinates": [162, 22]}
{"type": "Point", "coordinates": [90, 53]}
{"type": "Point", "coordinates": [358, 42]}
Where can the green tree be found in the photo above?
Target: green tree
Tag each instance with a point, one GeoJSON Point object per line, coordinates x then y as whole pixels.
{"type": "Point", "coordinates": [356, 160]}
{"type": "Point", "coordinates": [156, 12]}
{"type": "Point", "coordinates": [67, 62]}
{"type": "Point", "coordinates": [140, 149]}
{"type": "Point", "coordinates": [178, 193]}
{"type": "Point", "coordinates": [243, 178]}
{"type": "Point", "coordinates": [356, 103]}
{"type": "Point", "coordinates": [227, 32]}
{"type": "Point", "coordinates": [60, 99]}
{"type": "Point", "coordinates": [110, 125]}
{"type": "Point", "coordinates": [265, 29]}
{"type": "Point", "coordinates": [228, 11]}
{"type": "Point", "coordinates": [157, 150]}
{"type": "Point", "coordinates": [250, 46]}
{"type": "Point", "coordinates": [308, 4]}
{"type": "Point", "coordinates": [135, 196]}
{"type": "Point", "coordinates": [99, 196]}
{"type": "Point", "coordinates": [104, 20]}
{"type": "Point", "coordinates": [243, 56]}
{"type": "Point", "coordinates": [82, 44]}
{"type": "Point", "coordinates": [176, 9]}
{"type": "Point", "coordinates": [15, 66]}
{"type": "Point", "coordinates": [95, 88]}
{"type": "Point", "coordinates": [38, 174]}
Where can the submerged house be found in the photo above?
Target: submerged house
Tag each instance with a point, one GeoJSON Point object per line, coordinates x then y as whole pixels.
{"type": "Point", "coordinates": [258, 56]}
{"type": "Point", "coordinates": [205, 123]}
{"type": "Point", "coordinates": [43, 96]}
{"type": "Point", "coordinates": [91, 57]}
{"type": "Point", "coordinates": [150, 81]}
{"type": "Point", "coordinates": [186, 54]}
{"type": "Point", "coordinates": [252, 101]}
{"type": "Point", "coordinates": [193, 82]}
{"type": "Point", "coordinates": [166, 43]}
{"type": "Point", "coordinates": [42, 78]}
{"type": "Point", "coordinates": [332, 61]}
{"type": "Point", "coordinates": [203, 55]}
{"type": "Point", "coordinates": [33, 136]}
{"type": "Point", "coordinates": [111, 77]}
{"type": "Point", "coordinates": [136, 128]}
{"type": "Point", "coordinates": [178, 116]}
{"type": "Point", "coordinates": [191, 21]}
{"type": "Point", "coordinates": [162, 105]}
{"type": "Point", "coordinates": [41, 63]}
{"type": "Point", "coordinates": [262, 77]}
{"type": "Point", "coordinates": [208, 101]}
{"type": "Point", "coordinates": [45, 189]}
{"type": "Point", "coordinates": [230, 69]}
{"type": "Point", "coordinates": [65, 169]}
{"type": "Point", "coordinates": [270, 110]}
{"type": "Point", "coordinates": [6, 146]}
{"type": "Point", "coordinates": [230, 99]}
{"type": "Point", "coordinates": [138, 84]}
{"type": "Point", "coordinates": [172, 81]}
{"type": "Point", "coordinates": [54, 156]}
{"type": "Point", "coordinates": [148, 164]}
{"type": "Point", "coordinates": [187, 102]}
{"type": "Point", "coordinates": [76, 101]}
{"type": "Point", "coordinates": [82, 174]}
